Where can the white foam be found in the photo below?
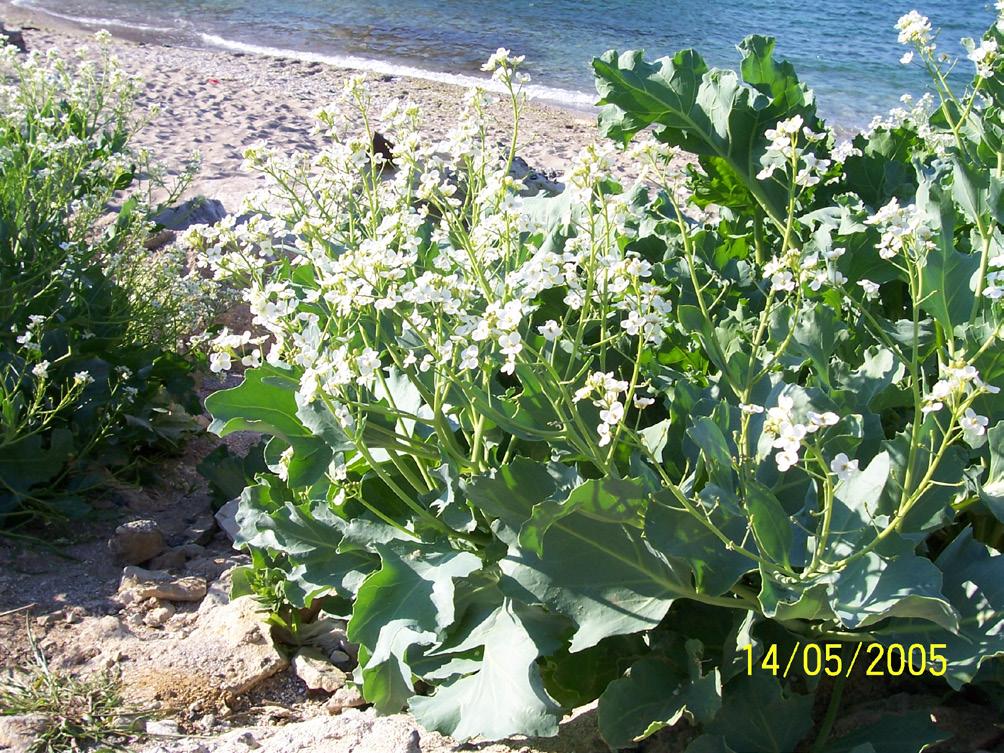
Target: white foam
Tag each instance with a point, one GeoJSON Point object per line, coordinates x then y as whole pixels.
{"type": "Point", "coordinates": [91, 21]}
{"type": "Point", "coordinates": [567, 97]}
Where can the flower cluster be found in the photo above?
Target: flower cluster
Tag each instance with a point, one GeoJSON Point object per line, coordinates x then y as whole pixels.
{"type": "Point", "coordinates": [984, 56]}
{"type": "Point", "coordinates": [788, 434]}
{"type": "Point", "coordinates": [915, 29]}
{"type": "Point", "coordinates": [960, 382]}
{"type": "Point", "coordinates": [784, 153]}
{"type": "Point", "coordinates": [902, 228]}
{"type": "Point", "coordinates": [605, 391]}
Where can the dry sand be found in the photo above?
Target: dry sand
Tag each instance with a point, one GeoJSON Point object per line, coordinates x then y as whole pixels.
{"type": "Point", "coordinates": [217, 102]}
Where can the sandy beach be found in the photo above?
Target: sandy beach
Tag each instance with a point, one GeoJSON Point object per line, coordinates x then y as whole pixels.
{"type": "Point", "coordinates": [217, 102]}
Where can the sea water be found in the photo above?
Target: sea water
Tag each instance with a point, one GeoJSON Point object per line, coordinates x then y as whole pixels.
{"type": "Point", "coordinates": [844, 49]}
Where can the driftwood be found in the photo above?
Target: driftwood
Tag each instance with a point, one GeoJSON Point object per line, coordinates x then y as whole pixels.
{"type": "Point", "coordinates": [13, 37]}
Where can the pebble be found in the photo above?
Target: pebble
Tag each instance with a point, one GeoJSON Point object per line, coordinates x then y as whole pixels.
{"type": "Point", "coordinates": [159, 616]}
{"type": "Point", "coordinates": [162, 727]}
{"type": "Point", "coordinates": [317, 673]}
{"type": "Point", "coordinates": [347, 697]}
{"type": "Point", "coordinates": [137, 542]}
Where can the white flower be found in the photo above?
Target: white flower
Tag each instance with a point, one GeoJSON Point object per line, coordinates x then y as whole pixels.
{"type": "Point", "coordinates": [41, 369]}
{"type": "Point", "coordinates": [750, 409]}
{"type": "Point", "coordinates": [83, 378]}
{"type": "Point", "coordinates": [785, 460]}
{"type": "Point", "coordinates": [469, 358]}
{"type": "Point", "coordinates": [613, 414]}
{"type": "Point", "coordinates": [907, 58]}
{"type": "Point", "coordinates": [984, 57]}
{"type": "Point", "coordinates": [643, 402]}
{"type": "Point", "coordinates": [220, 361]}
{"type": "Point", "coordinates": [549, 330]}
{"type": "Point", "coordinates": [870, 288]}
{"type": "Point", "coordinates": [914, 29]}
{"type": "Point", "coordinates": [843, 466]}
{"type": "Point", "coordinates": [973, 424]}
{"type": "Point", "coordinates": [820, 420]}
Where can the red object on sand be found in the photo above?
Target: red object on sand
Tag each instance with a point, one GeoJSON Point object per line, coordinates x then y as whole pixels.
{"type": "Point", "coordinates": [213, 80]}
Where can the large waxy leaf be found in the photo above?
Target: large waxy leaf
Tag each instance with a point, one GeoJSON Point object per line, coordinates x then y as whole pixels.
{"type": "Point", "coordinates": [973, 581]}
{"type": "Point", "coordinates": [26, 463]}
{"type": "Point", "coordinates": [309, 535]}
{"type": "Point", "coordinates": [610, 500]}
{"type": "Point", "coordinates": [264, 402]}
{"type": "Point", "coordinates": [672, 530]}
{"type": "Point", "coordinates": [992, 488]}
{"type": "Point", "coordinates": [912, 732]}
{"type": "Point", "coordinates": [710, 113]}
{"type": "Point", "coordinates": [856, 514]}
{"type": "Point", "coordinates": [511, 493]}
{"type": "Point", "coordinates": [601, 575]}
{"type": "Point", "coordinates": [872, 589]}
{"type": "Point", "coordinates": [947, 277]}
{"type": "Point", "coordinates": [409, 600]}
{"type": "Point", "coordinates": [758, 715]}
{"type": "Point", "coordinates": [506, 696]}
{"type": "Point", "coordinates": [656, 694]}
{"type": "Point", "coordinates": [771, 525]}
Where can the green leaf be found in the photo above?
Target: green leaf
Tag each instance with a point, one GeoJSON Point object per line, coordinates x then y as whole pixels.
{"type": "Point", "coordinates": [771, 525]}
{"type": "Point", "coordinates": [408, 601]}
{"type": "Point", "coordinates": [973, 581]}
{"type": "Point", "coordinates": [506, 696]}
{"type": "Point", "coordinates": [912, 732]}
{"type": "Point", "coordinates": [264, 402]}
{"type": "Point", "coordinates": [603, 576]}
{"type": "Point", "coordinates": [872, 589]}
{"type": "Point", "coordinates": [710, 113]}
{"type": "Point", "coordinates": [675, 532]}
{"type": "Point", "coordinates": [947, 289]}
{"type": "Point", "coordinates": [757, 715]}
{"type": "Point", "coordinates": [655, 695]}
{"type": "Point", "coordinates": [610, 500]}
{"type": "Point", "coordinates": [992, 489]}
{"type": "Point", "coordinates": [512, 491]}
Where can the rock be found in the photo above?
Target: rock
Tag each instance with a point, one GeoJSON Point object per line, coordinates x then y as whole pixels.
{"type": "Point", "coordinates": [46, 620]}
{"type": "Point", "coordinates": [317, 673]}
{"type": "Point", "coordinates": [162, 727]}
{"type": "Point", "coordinates": [20, 733]}
{"type": "Point", "coordinates": [340, 658]}
{"type": "Point", "coordinates": [195, 211]}
{"type": "Point", "coordinates": [534, 182]}
{"type": "Point", "coordinates": [172, 559]}
{"type": "Point", "coordinates": [138, 584]}
{"type": "Point", "coordinates": [157, 241]}
{"type": "Point", "coordinates": [346, 697]}
{"type": "Point", "coordinates": [227, 652]}
{"type": "Point", "coordinates": [226, 516]}
{"type": "Point", "coordinates": [158, 616]}
{"type": "Point", "coordinates": [137, 542]}
{"type": "Point", "coordinates": [13, 37]}
{"type": "Point", "coordinates": [202, 530]}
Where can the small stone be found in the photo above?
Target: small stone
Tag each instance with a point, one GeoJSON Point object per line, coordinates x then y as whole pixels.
{"type": "Point", "coordinates": [159, 616]}
{"type": "Point", "coordinates": [162, 727]}
{"type": "Point", "coordinates": [20, 733]}
{"type": "Point", "coordinates": [247, 738]}
{"type": "Point", "coordinates": [191, 551]}
{"type": "Point", "coordinates": [311, 666]}
{"type": "Point", "coordinates": [50, 619]}
{"type": "Point", "coordinates": [340, 658]}
{"type": "Point", "coordinates": [202, 530]}
{"type": "Point", "coordinates": [347, 697]}
{"type": "Point", "coordinates": [13, 37]}
{"type": "Point", "coordinates": [172, 559]}
{"type": "Point", "coordinates": [74, 615]}
{"type": "Point", "coordinates": [156, 584]}
{"type": "Point", "coordinates": [195, 211]}
{"type": "Point", "coordinates": [137, 542]}
{"type": "Point", "coordinates": [226, 516]}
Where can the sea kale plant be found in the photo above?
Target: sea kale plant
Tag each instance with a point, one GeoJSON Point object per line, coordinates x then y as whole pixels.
{"type": "Point", "coordinates": [89, 318]}
{"type": "Point", "coordinates": [636, 442]}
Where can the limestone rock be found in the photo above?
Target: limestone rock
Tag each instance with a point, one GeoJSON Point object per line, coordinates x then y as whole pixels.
{"type": "Point", "coordinates": [195, 211]}
{"type": "Point", "coordinates": [226, 516]}
{"type": "Point", "coordinates": [159, 616]}
{"type": "Point", "coordinates": [347, 697]}
{"type": "Point", "coordinates": [138, 584]}
{"type": "Point", "coordinates": [13, 37]}
{"type": "Point", "coordinates": [317, 673]}
{"type": "Point", "coordinates": [162, 727]}
{"type": "Point", "coordinates": [137, 542]}
{"type": "Point", "coordinates": [227, 652]}
{"type": "Point", "coordinates": [19, 733]}
{"type": "Point", "coordinates": [202, 530]}
{"type": "Point", "coordinates": [172, 559]}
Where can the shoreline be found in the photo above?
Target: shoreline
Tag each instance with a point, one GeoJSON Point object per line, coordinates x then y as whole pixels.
{"type": "Point", "coordinates": [217, 102]}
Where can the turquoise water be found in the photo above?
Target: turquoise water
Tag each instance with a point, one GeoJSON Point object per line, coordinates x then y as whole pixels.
{"type": "Point", "coordinates": [845, 49]}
